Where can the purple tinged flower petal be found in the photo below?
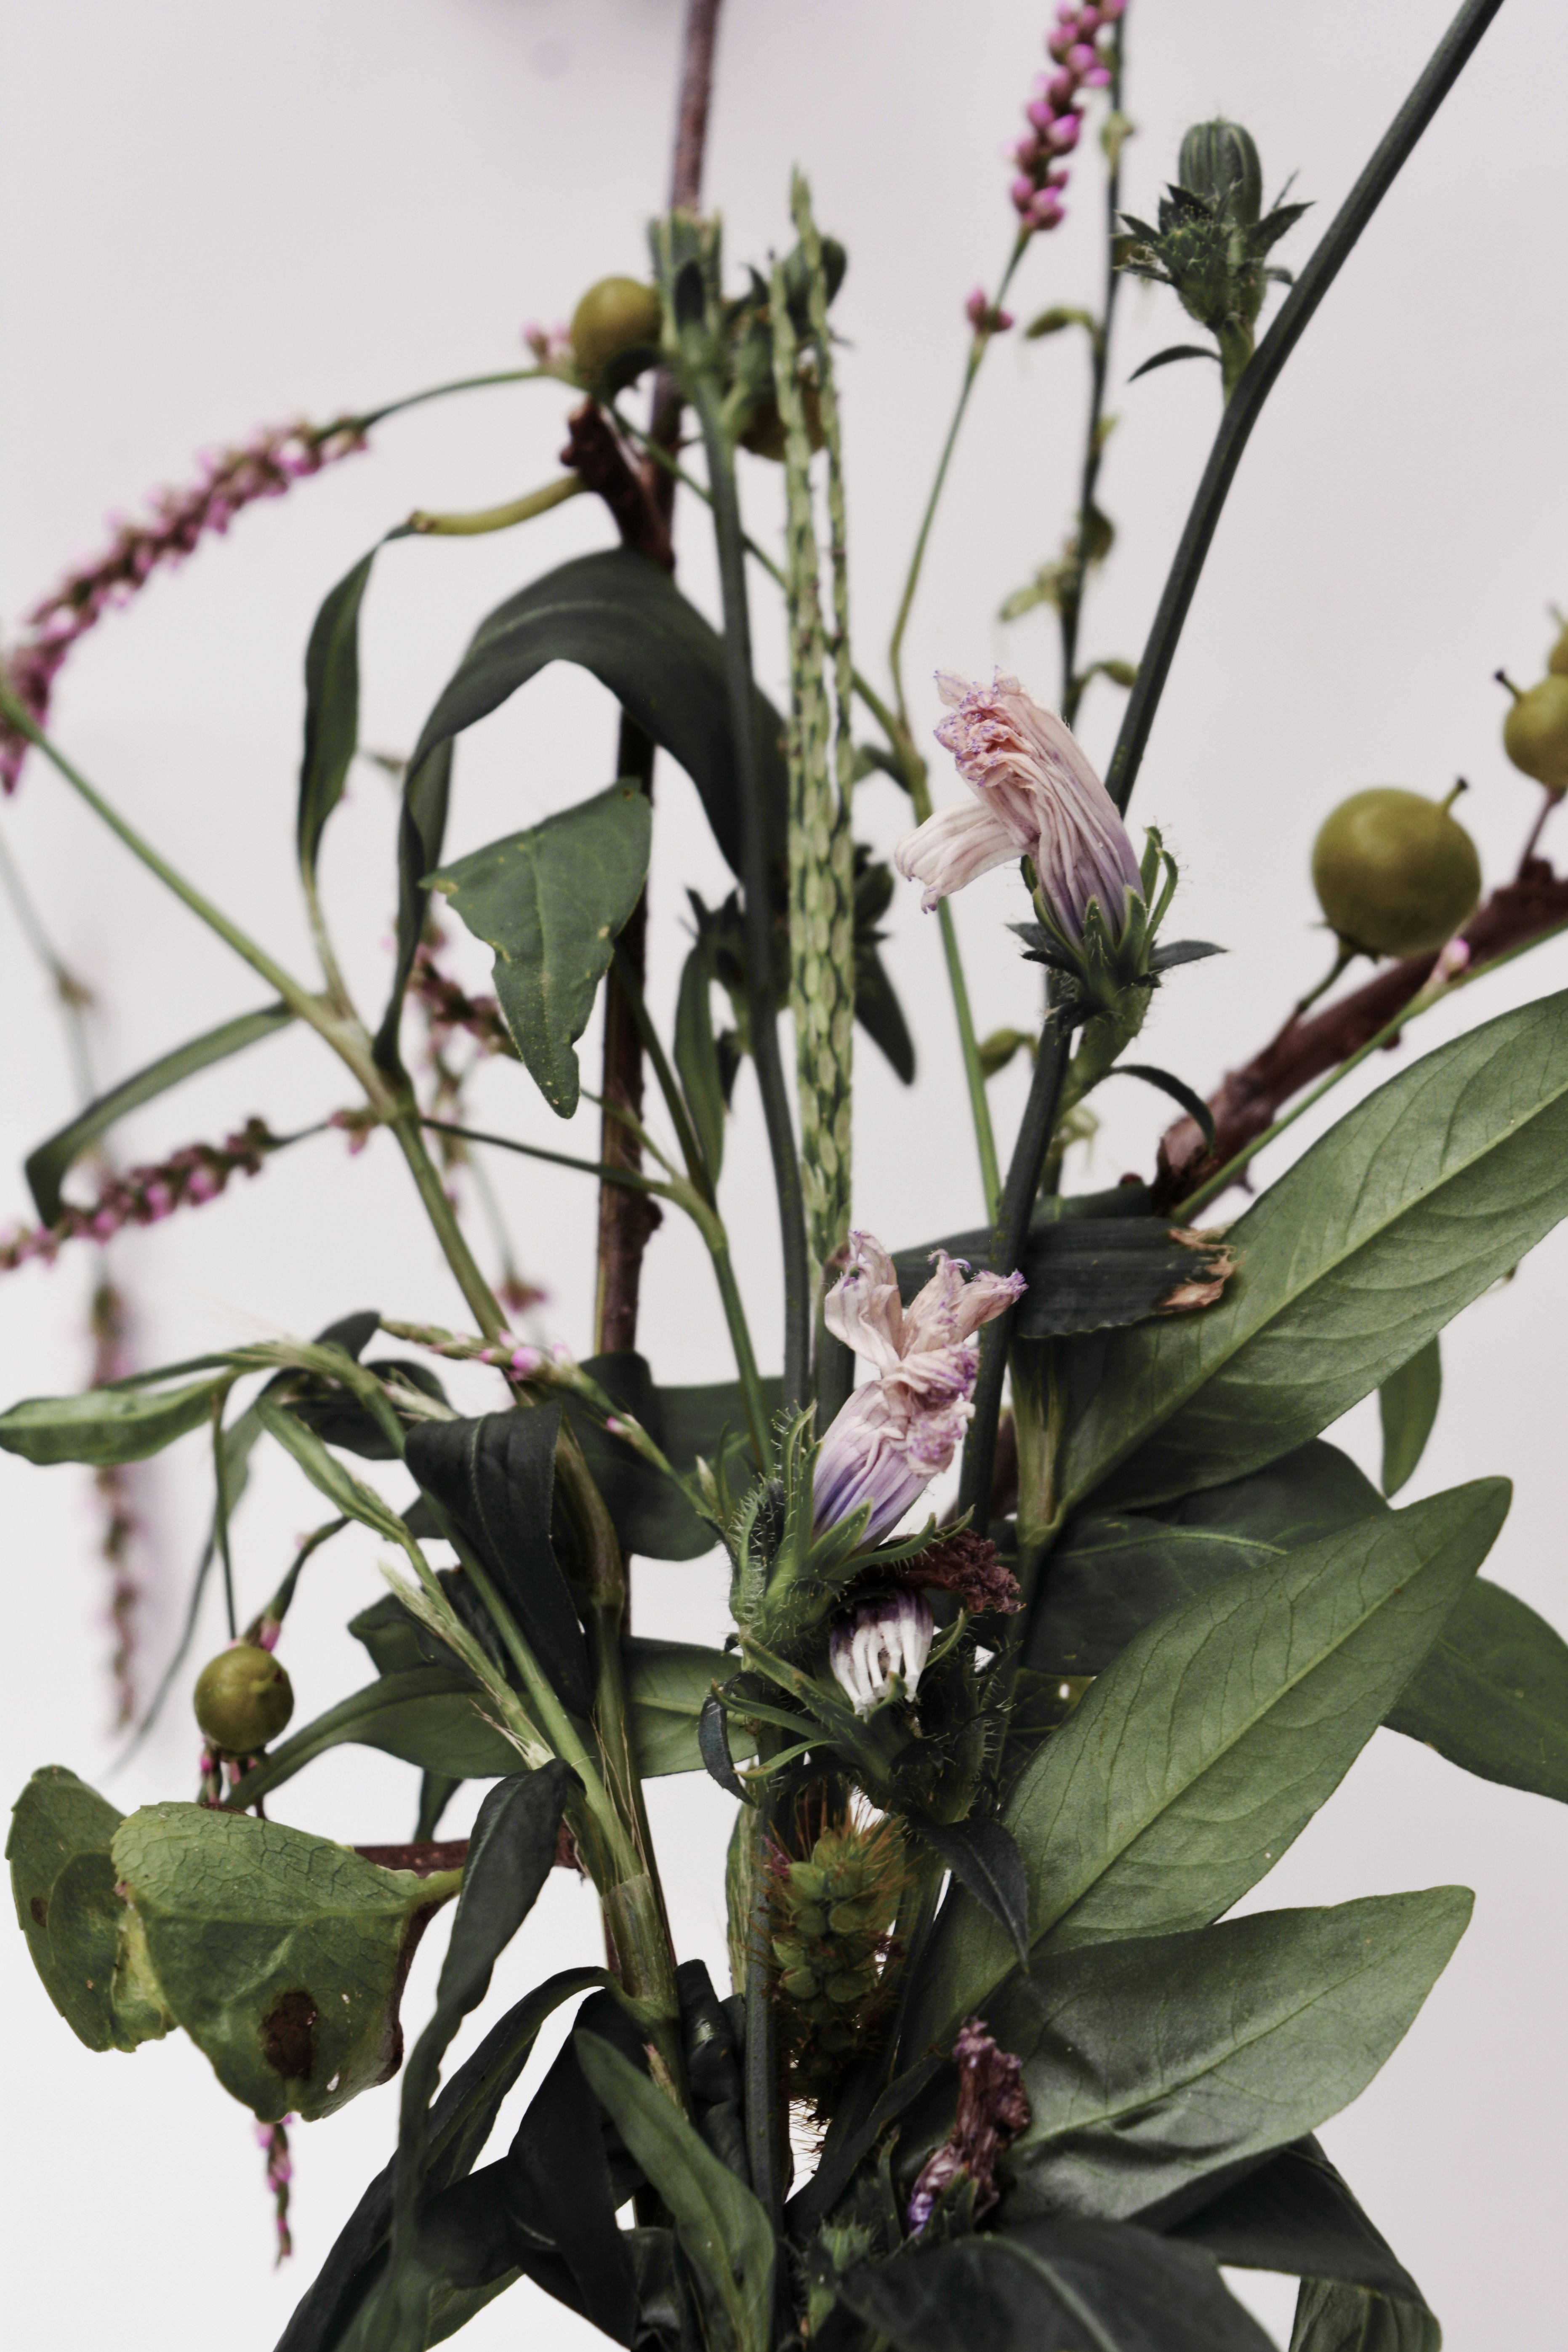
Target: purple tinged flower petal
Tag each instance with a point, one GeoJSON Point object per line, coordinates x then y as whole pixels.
{"type": "Point", "coordinates": [878, 1640]}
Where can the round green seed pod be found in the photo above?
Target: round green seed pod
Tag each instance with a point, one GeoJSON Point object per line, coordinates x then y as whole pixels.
{"type": "Point", "coordinates": [853, 1917]}
{"type": "Point", "coordinates": [850, 1986]}
{"type": "Point", "coordinates": [618, 320]}
{"type": "Point", "coordinates": [800, 1984]}
{"type": "Point", "coordinates": [1557, 659]}
{"type": "Point", "coordinates": [243, 1699]}
{"type": "Point", "coordinates": [1395, 874]}
{"type": "Point", "coordinates": [807, 1881]}
{"type": "Point", "coordinates": [1535, 733]}
{"type": "Point", "coordinates": [811, 1919]}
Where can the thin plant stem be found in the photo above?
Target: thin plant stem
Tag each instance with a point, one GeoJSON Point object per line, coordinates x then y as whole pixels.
{"type": "Point", "coordinates": [374, 417]}
{"type": "Point", "coordinates": [503, 517]}
{"type": "Point", "coordinates": [68, 991]}
{"type": "Point", "coordinates": [1242, 411]}
{"type": "Point", "coordinates": [1549, 801]}
{"type": "Point", "coordinates": [757, 894]}
{"type": "Point", "coordinates": [1070, 605]}
{"type": "Point", "coordinates": [1224, 1177]}
{"type": "Point", "coordinates": [220, 1513]}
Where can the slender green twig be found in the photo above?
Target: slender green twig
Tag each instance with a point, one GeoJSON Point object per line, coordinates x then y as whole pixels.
{"type": "Point", "coordinates": [1070, 597]}
{"type": "Point", "coordinates": [1449, 59]}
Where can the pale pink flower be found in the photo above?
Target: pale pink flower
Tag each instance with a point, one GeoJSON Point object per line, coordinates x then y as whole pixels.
{"type": "Point", "coordinates": [901, 1430]}
{"type": "Point", "coordinates": [1036, 796]}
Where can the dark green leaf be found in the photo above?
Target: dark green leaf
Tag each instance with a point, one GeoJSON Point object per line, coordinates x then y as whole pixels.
{"type": "Point", "coordinates": [47, 1166]}
{"type": "Point", "coordinates": [1072, 2286]}
{"type": "Point", "coordinates": [494, 1476]}
{"type": "Point", "coordinates": [1332, 2318]}
{"type": "Point", "coordinates": [986, 1862]}
{"type": "Point", "coordinates": [1084, 1273]}
{"type": "Point", "coordinates": [1173, 351]}
{"type": "Point", "coordinates": [346, 1493]}
{"type": "Point", "coordinates": [331, 707]}
{"type": "Point", "coordinates": [1492, 1695]}
{"type": "Point", "coordinates": [421, 831]}
{"type": "Point", "coordinates": [1407, 1402]}
{"type": "Point", "coordinates": [566, 2169]}
{"type": "Point", "coordinates": [651, 1515]}
{"type": "Point", "coordinates": [1152, 2065]}
{"type": "Point", "coordinates": [714, 1746]}
{"type": "Point", "coordinates": [1176, 1088]}
{"type": "Point", "coordinates": [1295, 2215]}
{"type": "Point", "coordinates": [1381, 1234]}
{"type": "Point", "coordinates": [1115, 1571]}
{"type": "Point", "coordinates": [282, 1955]}
{"type": "Point", "coordinates": [460, 2123]}
{"type": "Point", "coordinates": [425, 1714]}
{"type": "Point", "coordinates": [551, 902]}
{"type": "Point", "coordinates": [724, 2232]}
{"type": "Point", "coordinates": [1191, 1765]}
{"type": "Point", "coordinates": [696, 1054]}
{"type": "Point", "coordinates": [62, 1881]}
{"type": "Point", "coordinates": [106, 1426]}
{"type": "Point", "coordinates": [1166, 958]}
{"type": "Point", "coordinates": [340, 1418]}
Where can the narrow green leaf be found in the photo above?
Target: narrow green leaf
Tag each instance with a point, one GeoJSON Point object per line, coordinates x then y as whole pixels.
{"type": "Point", "coordinates": [1492, 1694]}
{"type": "Point", "coordinates": [551, 902]}
{"type": "Point", "coordinates": [426, 1716]}
{"type": "Point", "coordinates": [723, 2231]}
{"type": "Point", "coordinates": [1176, 1088]}
{"type": "Point", "coordinates": [1407, 1402]}
{"type": "Point", "coordinates": [1072, 2286]}
{"type": "Point", "coordinates": [1194, 1761]}
{"type": "Point", "coordinates": [47, 1166]}
{"type": "Point", "coordinates": [697, 1056]}
{"type": "Point", "coordinates": [986, 1862]}
{"type": "Point", "coordinates": [346, 1493]}
{"type": "Point", "coordinates": [1152, 2065]}
{"type": "Point", "coordinates": [331, 707]}
{"type": "Point", "coordinates": [1380, 1234]}
{"type": "Point", "coordinates": [1173, 351]}
{"type": "Point", "coordinates": [421, 831]}
{"type": "Point", "coordinates": [668, 1684]}
{"type": "Point", "coordinates": [105, 1426]}
{"type": "Point", "coordinates": [1333, 2317]}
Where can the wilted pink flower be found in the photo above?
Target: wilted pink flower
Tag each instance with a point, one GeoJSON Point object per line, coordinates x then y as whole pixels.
{"type": "Point", "coordinates": [986, 318]}
{"type": "Point", "coordinates": [879, 1641]}
{"type": "Point", "coordinates": [901, 1430]}
{"type": "Point", "coordinates": [266, 465]}
{"type": "Point", "coordinates": [1036, 796]}
{"type": "Point", "coordinates": [992, 2109]}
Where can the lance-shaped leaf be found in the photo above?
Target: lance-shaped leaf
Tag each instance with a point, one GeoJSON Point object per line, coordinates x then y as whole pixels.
{"type": "Point", "coordinates": [421, 831]}
{"type": "Point", "coordinates": [651, 1514]}
{"type": "Point", "coordinates": [1492, 1694]}
{"type": "Point", "coordinates": [552, 902]}
{"type": "Point", "coordinates": [424, 1716]}
{"type": "Point", "coordinates": [106, 1426]}
{"type": "Point", "coordinates": [724, 2232]}
{"type": "Point", "coordinates": [281, 1955]}
{"type": "Point", "coordinates": [495, 1477]}
{"type": "Point", "coordinates": [331, 707]}
{"type": "Point", "coordinates": [1408, 1404]}
{"type": "Point", "coordinates": [1068, 2286]}
{"type": "Point", "coordinates": [1333, 2317]}
{"type": "Point", "coordinates": [1191, 1765]}
{"type": "Point", "coordinates": [346, 1493]}
{"type": "Point", "coordinates": [1392, 1222]}
{"type": "Point", "coordinates": [1153, 2065]}
{"type": "Point", "coordinates": [460, 2123]}
{"type": "Point", "coordinates": [48, 1165]}
{"type": "Point", "coordinates": [986, 1863]}
{"type": "Point", "coordinates": [1295, 2214]}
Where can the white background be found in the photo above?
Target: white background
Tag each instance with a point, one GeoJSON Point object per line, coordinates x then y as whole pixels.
{"type": "Point", "coordinates": [216, 216]}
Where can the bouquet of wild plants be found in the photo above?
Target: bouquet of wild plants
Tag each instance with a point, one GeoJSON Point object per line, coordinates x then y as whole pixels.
{"type": "Point", "coordinates": [998, 1776]}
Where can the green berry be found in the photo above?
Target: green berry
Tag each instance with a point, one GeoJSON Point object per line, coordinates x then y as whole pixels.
{"type": "Point", "coordinates": [243, 1699]}
{"type": "Point", "coordinates": [1535, 733]}
{"type": "Point", "coordinates": [618, 319]}
{"type": "Point", "coordinates": [1395, 874]}
{"type": "Point", "coordinates": [853, 1917]}
{"type": "Point", "coordinates": [807, 1881]}
{"type": "Point", "coordinates": [800, 1984]}
{"type": "Point", "coordinates": [811, 1919]}
{"type": "Point", "coordinates": [850, 1986]}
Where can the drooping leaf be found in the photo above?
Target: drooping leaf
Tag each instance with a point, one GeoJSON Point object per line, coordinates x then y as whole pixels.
{"type": "Point", "coordinates": [723, 2231]}
{"type": "Point", "coordinates": [1176, 1088]}
{"type": "Point", "coordinates": [1153, 2065]}
{"type": "Point", "coordinates": [566, 2169]}
{"type": "Point", "coordinates": [460, 2123]}
{"type": "Point", "coordinates": [1190, 1764]}
{"type": "Point", "coordinates": [340, 1418]}
{"type": "Point", "coordinates": [1295, 2214]}
{"type": "Point", "coordinates": [1376, 1238]}
{"type": "Point", "coordinates": [346, 1494]}
{"type": "Point", "coordinates": [494, 1475]}
{"type": "Point", "coordinates": [280, 1954]}
{"type": "Point", "coordinates": [1491, 1694]}
{"type": "Point", "coordinates": [696, 1054]}
{"type": "Point", "coordinates": [983, 1857]}
{"type": "Point", "coordinates": [1333, 2317]}
{"type": "Point", "coordinates": [1408, 1403]}
{"type": "Point", "coordinates": [551, 902]}
{"type": "Point", "coordinates": [1173, 351]}
{"type": "Point", "coordinates": [47, 1166]}
{"type": "Point", "coordinates": [105, 1426]}
{"type": "Point", "coordinates": [331, 707]}
{"type": "Point", "coordinates": [62, 1881]}
{"type": "Point", "coordinates": [1066, 2287]}
{"type": "Point", "coordinates": [421, 831]}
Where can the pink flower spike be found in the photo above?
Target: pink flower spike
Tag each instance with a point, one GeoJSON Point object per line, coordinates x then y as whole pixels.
{"type": "Point", "coordinates": [1063, 134]}
{"type": "Point", "coordinates": [525, 1361]}
{"type": "Point", "coordinates": [1099, 78]}
{"type": "Point", "coordinates": [1081, 59]}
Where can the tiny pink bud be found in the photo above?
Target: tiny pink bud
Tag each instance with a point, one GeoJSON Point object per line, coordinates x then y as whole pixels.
{"type": "Point", "coordinates": [1041, 113]}
{"type": "Point", "coordinates": [1081, 58]}
{"type": "Point", "coordinates": [1063, 134]}
{"type": "Point", "coordinates": [1022, 194]}
{"type": "Point", "coordinates": [1045, 212]}
{"type": "Point", "coordinates": [975, 308]}
{"type": "Point", "coordinates": [1098, 78]}
{"type": "Point", "coordinates": [1058, 43]}
{"type": "Point", "coordinates": [1060, 88]}
{"type": "Point", "coordinates": [524, 1363]}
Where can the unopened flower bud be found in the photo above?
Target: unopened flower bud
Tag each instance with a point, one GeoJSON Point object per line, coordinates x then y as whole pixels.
{"type": "Point", "coordinates": [878, 1643]}
{"type": "Point", "coordinates": [1218, 157]}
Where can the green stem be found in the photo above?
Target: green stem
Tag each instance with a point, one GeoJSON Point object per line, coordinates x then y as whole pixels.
{"type": "Point", "coordinates": [374, 417]}
{"type": "Point", "coordinates": [503, 517]}
{"type": "Point", "coordinates": [220, 1513]}
{"type": "Point", "coordinates": [1226, 1176]}
{"type": "Point", "coordinates": [1242, 412]}
{"type": "Point", "coordinates": [745, 1357]}
{"type": "Point", "coordinates": [482, 1302]}
{"type": "Point", "coordinates": [1071, 601]}
{"type": "Point", "coordinates": [969, 1046]}
{"type": "Point", "coordinates": [757, 893]}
